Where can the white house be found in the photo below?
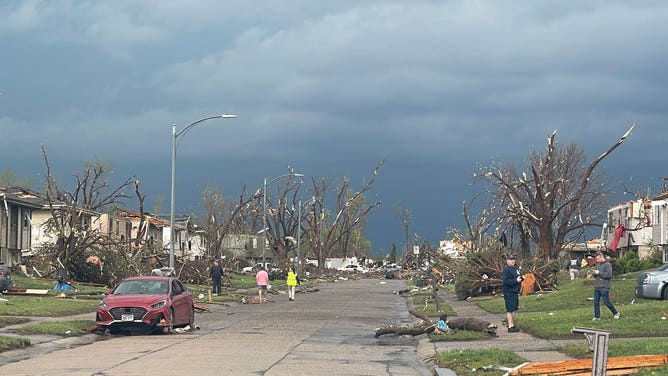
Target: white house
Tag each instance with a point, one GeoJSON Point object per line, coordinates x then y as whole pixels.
{"type": "Point", "coordinates": [659, 223]}
{"type": "Point", "coordinates": [645, 223]}
{"type": "Point", "coordinates": [635, 217]}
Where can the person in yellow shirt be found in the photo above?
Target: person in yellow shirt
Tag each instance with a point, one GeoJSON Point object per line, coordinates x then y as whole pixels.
{"type": "Point", "coordinates": [292, 282]}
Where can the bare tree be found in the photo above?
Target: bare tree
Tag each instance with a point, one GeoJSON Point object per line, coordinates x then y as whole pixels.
{"type": "Point", "coordinates": [9, 177]}
{"type": "Point", "coordinates": [222, 216]}
{"type": "Point", "coordinates": [326, 231]}
{"type": "Point", "coordinates": [353, 242]}
{"type": "Point", "coordinates": [282, 215]}
{"type": "Point", "coordinates": [91, 195]}
{"type": "Point", "coordinates": [559, 199]}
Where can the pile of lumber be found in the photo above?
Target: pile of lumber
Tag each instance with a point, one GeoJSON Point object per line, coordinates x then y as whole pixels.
{"type": "Point", "coordinates": [621, 365]}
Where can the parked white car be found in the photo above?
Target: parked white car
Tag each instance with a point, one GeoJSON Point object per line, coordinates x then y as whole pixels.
{"type": "Point", "coordinates": [256, 267]}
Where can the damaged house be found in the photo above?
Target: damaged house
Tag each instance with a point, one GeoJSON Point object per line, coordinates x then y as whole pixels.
{"type": "Point", "coordinates": [16, 207]}
{"type": "Point", "coordinates": [639, 226]}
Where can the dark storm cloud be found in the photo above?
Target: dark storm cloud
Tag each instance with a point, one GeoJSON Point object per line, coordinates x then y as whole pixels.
{"type": "Point", "coordinates": [331, 88]}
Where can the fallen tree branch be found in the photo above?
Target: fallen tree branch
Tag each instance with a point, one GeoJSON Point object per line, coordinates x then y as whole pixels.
{"type": "Point", "coordinates": [426, 326]}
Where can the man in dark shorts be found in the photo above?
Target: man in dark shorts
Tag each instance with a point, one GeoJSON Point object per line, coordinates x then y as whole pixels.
{"type": "Point", "coordinates": [512, 283]}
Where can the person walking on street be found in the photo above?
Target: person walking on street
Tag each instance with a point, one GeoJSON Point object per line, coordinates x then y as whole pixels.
{"type": "Point", "coordinates": [292, 281]}
{"type": "Point", "coordinates": [262, 279]}
{"type": "Point", "coordinates": [602, 285]}
{"type": "Point", "coordinates": [512, 283]}
{"type": "Point", "coordinates": [216, 274]}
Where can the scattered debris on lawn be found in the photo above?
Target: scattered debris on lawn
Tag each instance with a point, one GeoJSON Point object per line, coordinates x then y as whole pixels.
{"type": "Point", "coordinates": [26, 292]}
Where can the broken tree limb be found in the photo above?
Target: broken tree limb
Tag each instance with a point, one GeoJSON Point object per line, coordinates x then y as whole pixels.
{"type": "Point", "coordinates": [425, 327]}
{"type": "Point", "coordinates": [471, 323]}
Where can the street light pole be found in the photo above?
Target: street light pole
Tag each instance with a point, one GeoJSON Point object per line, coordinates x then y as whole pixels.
{"type": "Point", "coordinates": [264, 211]}
{"type": "Point", "coordinates": [175, 135]}
{"type": "Point", "coordinates": [299, 235]}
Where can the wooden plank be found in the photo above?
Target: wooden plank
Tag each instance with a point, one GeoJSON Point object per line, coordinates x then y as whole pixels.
{"type": "Point", "coordinates": [26, 292]}
{"type": "Point", "coordinates": [572, 367]}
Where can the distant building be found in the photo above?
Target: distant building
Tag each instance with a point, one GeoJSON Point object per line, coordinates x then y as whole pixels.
{"type": "Point", "coordinates": [454, 248]}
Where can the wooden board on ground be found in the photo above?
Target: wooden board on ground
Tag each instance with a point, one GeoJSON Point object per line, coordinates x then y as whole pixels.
{"type": "Point", "coordinates": [621, 365]}
{"type": "Point", "coordinates": [26, 292]}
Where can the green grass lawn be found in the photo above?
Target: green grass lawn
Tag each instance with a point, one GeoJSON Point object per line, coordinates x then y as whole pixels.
{"type": "Point", "coordinates": [472, 362]}
{"type": "Point", "coordinates": [84, 299]}
{"type": "Point", "coordinates": [7, 321]}
{"type": "Point", "coordinates": [8, 343]}
{"type": "Point", "coordinates": [61, 328]}
{"type": "Point", "coordinates": [552, 315]}
{"type": "Point", "coordinates": [426, 296]}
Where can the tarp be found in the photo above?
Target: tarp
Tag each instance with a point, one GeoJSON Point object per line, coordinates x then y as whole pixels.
{"type": "Point", "coordinates": [620, 232]}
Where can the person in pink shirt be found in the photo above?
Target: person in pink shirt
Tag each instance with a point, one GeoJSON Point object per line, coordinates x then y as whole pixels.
{"type": "Point", "coordinates": [262, 279]}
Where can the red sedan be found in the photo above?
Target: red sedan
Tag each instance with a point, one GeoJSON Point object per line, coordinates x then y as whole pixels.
{"type": "Point", "coordinates": [153, 303]}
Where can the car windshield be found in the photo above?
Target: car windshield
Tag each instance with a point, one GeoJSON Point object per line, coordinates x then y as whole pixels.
{"type": "Point", "coordinates": [142, 287]}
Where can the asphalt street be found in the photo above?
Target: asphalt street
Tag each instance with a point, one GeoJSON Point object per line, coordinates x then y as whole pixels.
{"type": "Point", "coordinates": [327, 332]}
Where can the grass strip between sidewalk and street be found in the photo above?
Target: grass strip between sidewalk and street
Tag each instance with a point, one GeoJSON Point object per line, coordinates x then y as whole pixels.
{"type": "Point", "coordinates": [8, 343]}
{"type": "Point", "coordinates": [59, 328]}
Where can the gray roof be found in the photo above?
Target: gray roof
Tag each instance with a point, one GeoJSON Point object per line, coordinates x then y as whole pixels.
{"type": "Point", "coordinates": [22, 196]}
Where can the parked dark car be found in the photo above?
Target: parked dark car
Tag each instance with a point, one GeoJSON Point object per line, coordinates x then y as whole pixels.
{"type": "Point", "coordinates": [6, 281]}
{"type": "Point", "coordinates": [150, 303]}
{"type": "Point", "coordinates": [653, 285]}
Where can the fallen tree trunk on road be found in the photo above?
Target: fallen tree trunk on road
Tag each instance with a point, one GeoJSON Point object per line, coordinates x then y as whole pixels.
{"type": "Point", "coordinates": [427, 326]}
{"type": "Point", "coordinates": [424, 327]}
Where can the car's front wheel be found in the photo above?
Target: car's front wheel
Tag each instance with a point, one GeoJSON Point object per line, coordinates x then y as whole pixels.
{"type": "Point", "coordinates": [664, 294]}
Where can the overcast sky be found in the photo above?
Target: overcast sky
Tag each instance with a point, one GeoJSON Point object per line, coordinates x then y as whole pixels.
{"type": "Point", "coordinates": [433, 88]}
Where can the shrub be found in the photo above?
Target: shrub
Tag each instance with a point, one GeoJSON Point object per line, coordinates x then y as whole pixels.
{"type": "Point", "coordinates": [630, 262]}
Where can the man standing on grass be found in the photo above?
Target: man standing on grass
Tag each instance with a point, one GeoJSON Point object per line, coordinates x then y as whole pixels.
{"type": "Point", "coordinates": [512, 283]}
{"type": "Point", "coordinates": [262, 279]}
{"type": "Point", "coordinates": [603, 275]}
{"type": "Point", "coordinates": [216, 273]}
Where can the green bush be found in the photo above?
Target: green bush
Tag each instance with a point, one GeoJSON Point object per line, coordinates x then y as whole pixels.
{"type": "Point", "coordinates": [630, 262]}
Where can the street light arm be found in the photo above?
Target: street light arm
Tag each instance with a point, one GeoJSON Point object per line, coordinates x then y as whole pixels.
{"type": "Point", "coordinates": [187, 128]}
{"type": "Point", "coordinates": [282, 176]}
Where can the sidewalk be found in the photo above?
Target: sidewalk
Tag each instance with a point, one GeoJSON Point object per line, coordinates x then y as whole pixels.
{"type": "Point", "coordinates": [523, 344]}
